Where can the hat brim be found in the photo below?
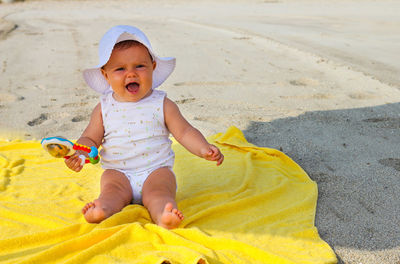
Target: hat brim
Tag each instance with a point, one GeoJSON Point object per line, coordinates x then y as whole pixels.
{"type": "Point", "coordinates": [95, 79]}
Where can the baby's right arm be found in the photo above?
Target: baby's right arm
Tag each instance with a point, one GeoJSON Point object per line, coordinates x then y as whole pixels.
{"type": "Point", "coordinates": [91, 136]}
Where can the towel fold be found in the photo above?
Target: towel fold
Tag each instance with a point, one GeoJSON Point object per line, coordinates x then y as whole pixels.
{"type": "Point", "coordinates": [257, 207]}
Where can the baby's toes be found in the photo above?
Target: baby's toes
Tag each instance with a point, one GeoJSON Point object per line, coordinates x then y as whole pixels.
{"type": "Point", "coordinates": [86, 207]}
{"type": "Point", "coordinates": [178, 213]}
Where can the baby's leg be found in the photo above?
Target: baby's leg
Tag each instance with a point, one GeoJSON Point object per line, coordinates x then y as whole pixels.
{"type": "Point", "coordinates": [115, 194]}
{"type": "Point", "coordinates": [158, 195]}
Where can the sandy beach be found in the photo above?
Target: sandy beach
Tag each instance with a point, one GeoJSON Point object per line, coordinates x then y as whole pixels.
{"type": "Point", "coordinates": [318, 80]}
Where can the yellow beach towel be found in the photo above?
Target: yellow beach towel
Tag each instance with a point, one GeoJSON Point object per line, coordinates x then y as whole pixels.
{"type": "Point", "coordinates": [258, 207]}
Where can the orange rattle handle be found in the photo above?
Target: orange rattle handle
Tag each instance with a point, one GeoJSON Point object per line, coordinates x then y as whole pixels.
{"type": "Point", "coordinates": [92, 152]}
{"type": "Point", "coordinates": [81, 147]}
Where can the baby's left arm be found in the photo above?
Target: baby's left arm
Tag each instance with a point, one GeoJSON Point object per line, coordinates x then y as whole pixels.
{"type": "Point", "coordinates": [188, 136]}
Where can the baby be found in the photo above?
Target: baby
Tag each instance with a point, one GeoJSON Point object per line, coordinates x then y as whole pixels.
{"type": "Point", "coordinates": [132, 123]}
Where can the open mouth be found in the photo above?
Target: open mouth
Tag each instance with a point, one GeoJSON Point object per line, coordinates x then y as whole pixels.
{"type": "Point", "coordinates": [132, 87]}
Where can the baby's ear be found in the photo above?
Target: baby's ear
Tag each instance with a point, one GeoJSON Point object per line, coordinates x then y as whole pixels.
{"type": "Point", "coordinates": [104, 74]}
{"type": "Point", "coordinates": [154, 65]}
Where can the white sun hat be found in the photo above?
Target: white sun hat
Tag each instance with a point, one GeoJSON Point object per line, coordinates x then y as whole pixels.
{"type": "Point", "coordinates": [95, 79]}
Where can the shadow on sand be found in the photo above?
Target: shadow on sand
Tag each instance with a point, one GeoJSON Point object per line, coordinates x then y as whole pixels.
{"type": "Point", "coordinates": [354, 156]}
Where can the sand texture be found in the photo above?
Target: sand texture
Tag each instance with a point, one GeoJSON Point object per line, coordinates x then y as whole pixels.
{"type": "Point", "coordinates": [319, 80]}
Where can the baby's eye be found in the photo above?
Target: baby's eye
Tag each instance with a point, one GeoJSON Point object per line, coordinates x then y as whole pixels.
{"type": "Point", "coordinates": [119, 69]}
{"type": "Point", "coordinates": [140, 66]}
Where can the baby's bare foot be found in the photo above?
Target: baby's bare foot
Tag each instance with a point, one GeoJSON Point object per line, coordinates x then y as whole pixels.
{"type": "Point", "coordinates": [171, 217]}
{"type": "Point", "coordinates": [93, 212]}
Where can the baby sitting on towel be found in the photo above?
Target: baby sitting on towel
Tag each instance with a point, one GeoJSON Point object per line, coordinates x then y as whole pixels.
{"type": "Point", "coordinates": [132, 122]}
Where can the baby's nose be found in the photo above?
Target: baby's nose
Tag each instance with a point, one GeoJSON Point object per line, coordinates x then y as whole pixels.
{"type": "Point", "coordinates": [131, 73]}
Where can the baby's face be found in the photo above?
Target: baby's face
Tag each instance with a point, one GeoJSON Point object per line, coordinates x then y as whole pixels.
{"type": "Point", "coordinates": [129, 71]}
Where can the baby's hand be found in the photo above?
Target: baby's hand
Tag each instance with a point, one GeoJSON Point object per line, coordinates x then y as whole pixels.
{"type": "Point", "coordinates": [74, 163]}
{"type": "Point", "coordinates": [213, 153]}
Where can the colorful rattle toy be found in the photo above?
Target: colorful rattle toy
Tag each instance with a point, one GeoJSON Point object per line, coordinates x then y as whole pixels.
{"type": "Point", "coordinates": [60, 147]}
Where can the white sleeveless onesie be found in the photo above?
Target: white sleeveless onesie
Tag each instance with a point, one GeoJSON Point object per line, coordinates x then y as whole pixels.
{"type": "Point", "coordinates": [136, 140]}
